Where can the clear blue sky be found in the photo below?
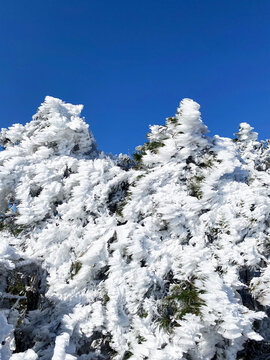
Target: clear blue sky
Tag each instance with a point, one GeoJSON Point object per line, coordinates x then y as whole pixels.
{"type": "Point", "coordinates": [130, 62]}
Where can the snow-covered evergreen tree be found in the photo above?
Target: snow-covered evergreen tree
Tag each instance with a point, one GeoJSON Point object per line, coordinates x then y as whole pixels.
{"type": "Point", "coordinates": [163, 256]}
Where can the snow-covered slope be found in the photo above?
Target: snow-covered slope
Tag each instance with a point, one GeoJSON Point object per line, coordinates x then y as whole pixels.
{"type": "Point", "coordinates": [162, 257]}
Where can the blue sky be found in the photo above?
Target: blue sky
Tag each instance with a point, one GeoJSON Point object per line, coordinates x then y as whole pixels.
{"type": "Point", "coordinates": [131, 62]}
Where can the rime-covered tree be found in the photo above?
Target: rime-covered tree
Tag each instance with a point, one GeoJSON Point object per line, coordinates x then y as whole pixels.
{"type": "Point", "coordinates": [165, 256]}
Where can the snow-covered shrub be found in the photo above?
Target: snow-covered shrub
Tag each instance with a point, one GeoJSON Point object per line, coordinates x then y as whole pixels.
{"type": "Point", "coordinates": [163, 256]}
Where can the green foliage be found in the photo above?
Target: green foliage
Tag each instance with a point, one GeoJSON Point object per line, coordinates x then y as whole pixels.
{"type": "Point", "coordinates": [11, 226]}
{"type": "Point", "coordinates": [208, 163]}
{"type": "Point", "coordinates": [137, 156]}
{"type": "Point", "coordinates": [140, 339]}
{"type": "Point", "coordinates": [194, 186]}
{"type": "Point", "coordinates": [151, 146]}
{"type": "Point", "coordinates": [210, 160]}
{"type": "Point", "coordinates": [139, 177]}
{"type": "Point", "coordinates": [106, 298]}
{"type": "Point", "coordinates": [172, 120]}
{"type": "Point", "coordinates": [127, 355]}
{"type": "Point", "coordinates": [120, 208]}
{"type": "Point", "coordinates": [144, 314]}
{"type": "Point", "coordinates": [183, 299]}
{"type": "Point", "coordinates": [3, 227]}
{"type": "Point", "coordinates": [121, 204]}
{"type": "Point", "coordinates": [165, 320]}
{"type": "Point", "coordinates": [16, 285]}
{"type": "Point", "coordinates": [253, 287]}
{"type": "Point", "coordinates": [75, 268]}
{"type": "Point", "coordinates": [16, 229]}
{"type": "Point", "coordinates": [22, 309]}
{"type": "Point", "coordinates": [221, 227]}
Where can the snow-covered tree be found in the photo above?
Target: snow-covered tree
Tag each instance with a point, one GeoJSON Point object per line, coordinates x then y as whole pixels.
{"type": "Point", "coordinates": [165, 256]}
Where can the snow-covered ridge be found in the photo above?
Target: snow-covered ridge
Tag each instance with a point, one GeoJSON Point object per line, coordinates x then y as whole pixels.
{"type": "Point", "coordinates": [163, 256]}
